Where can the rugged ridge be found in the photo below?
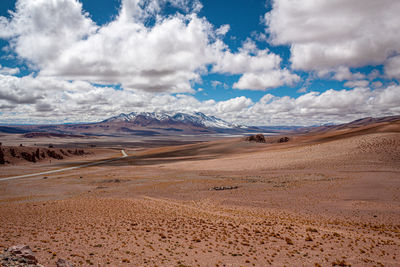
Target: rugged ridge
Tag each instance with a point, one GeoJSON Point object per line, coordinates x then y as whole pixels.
{"type": "Point", "coordinates": [196, 119]}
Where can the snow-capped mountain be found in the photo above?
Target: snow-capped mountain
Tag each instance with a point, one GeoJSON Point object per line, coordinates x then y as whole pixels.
{"type": "Point", "coordinates": [196, 119]}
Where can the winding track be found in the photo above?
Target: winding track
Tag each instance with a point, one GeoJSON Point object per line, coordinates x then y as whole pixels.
{"type": "Point", "coordinates": [124, 155]}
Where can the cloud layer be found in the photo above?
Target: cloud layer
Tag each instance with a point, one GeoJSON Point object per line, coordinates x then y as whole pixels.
{"type": "Point", "coordinates": [144, 60]}
{"type": "Point", "coordinates": [84, 102]}
{"type": "Point", "coordinates": [60, 40]}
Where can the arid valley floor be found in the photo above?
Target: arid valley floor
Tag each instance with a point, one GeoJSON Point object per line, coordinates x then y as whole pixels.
{"type": "Point", "coordinates": [321, 199]}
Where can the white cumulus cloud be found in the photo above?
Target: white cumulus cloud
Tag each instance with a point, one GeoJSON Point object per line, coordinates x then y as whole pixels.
{"type": "Point", "coordinates": [49, 99]}
{"type": "Point", "coordinates": [260, 68]}
{"type": "Point", "coordinates": [59, 39]}
{"type": "Point", "coordinates": [325, 33]}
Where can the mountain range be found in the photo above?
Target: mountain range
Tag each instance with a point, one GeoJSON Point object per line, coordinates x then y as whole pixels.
{"type": "Point", "coordinates": [196, 119]}
{"type": "Point", "coordinates": [172, 124]}
{"type": "Point", "coordinates": [142, 124]}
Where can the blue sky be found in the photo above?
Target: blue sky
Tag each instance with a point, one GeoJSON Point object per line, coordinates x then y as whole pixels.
{"type": "Point", "coordinates": [283, 62]}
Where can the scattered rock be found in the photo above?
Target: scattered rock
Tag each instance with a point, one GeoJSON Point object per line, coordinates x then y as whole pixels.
{"type": "Point", "coordinates": [258, 138]}
{"type": "Point", "coordinates": [63, 263]}
{"type": "Point", "coordinates": [283, 139]}
{"type": "Point", "coordinates": [219, 188]}
{"type": "Point", "coordinates": [19, 255]}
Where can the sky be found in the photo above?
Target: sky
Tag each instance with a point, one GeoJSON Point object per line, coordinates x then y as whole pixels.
{"type": "Point", "coordinates": [253, 62]}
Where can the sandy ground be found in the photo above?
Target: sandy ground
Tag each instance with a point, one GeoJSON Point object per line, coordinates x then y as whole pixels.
{"type": "Point", "coordinates": [314, 201]}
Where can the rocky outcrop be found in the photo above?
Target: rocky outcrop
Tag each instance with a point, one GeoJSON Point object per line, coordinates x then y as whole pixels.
{"type": "Point", "coordinates": [19, 255]}
{"type": "Point", "coordinates": [54, 155]}
{"type": "Point", "coordinates": [16, 154]}
{"type": "Point", "coordinates": [283, 139]}
{"type": "Point", "coordinates": [258, 138]}
{"type": "Point", "coordinates": [2, 160]}
{"type": "Point", "coordinates": [23, 256]}
{"type": "Point", "coordinates": [28, 156]}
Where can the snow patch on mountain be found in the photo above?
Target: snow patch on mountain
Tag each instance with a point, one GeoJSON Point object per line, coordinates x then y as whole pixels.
{"type": "Point", "coordinates": [195, 119]}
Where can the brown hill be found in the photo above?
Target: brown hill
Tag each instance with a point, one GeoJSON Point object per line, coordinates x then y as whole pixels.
{"type": "Point", "coordinates": [330, 146]}
{"type": "Point", "coordinates": [354, 124]}
{"type": "Point", "coordinates": [327, 198]}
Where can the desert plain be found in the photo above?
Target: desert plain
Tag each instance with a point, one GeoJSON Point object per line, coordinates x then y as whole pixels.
{"type": "Point", "coordinates": [327, 198]}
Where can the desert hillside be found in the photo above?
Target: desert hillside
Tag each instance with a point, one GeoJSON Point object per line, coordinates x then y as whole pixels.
{"type": "Point", "coordinates": [327, 198]}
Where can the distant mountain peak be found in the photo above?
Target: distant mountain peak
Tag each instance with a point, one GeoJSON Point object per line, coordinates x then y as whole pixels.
{"type": "Point", "coordinates": [197, 119]}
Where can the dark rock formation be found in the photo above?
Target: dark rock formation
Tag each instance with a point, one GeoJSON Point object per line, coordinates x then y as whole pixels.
{"type": "Point", "coordinates": [283, 139]}
{"type": "Point", "coordinates": [19, 255]}
{"type": "Point", "coordinates": [2, 160]}
{"type": "Point", "coordinates": [28, 157]}
{"type": "Point", "coordinates": [79, 152]}
{"type": "Point", "coordinates": [63, 152]}
{"type": "Point", "coordinates": [54, 155]}
{"type": "Point", "coordinates": [258, 138]}
{"type": "Point", "coordinates": [12, 152]}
